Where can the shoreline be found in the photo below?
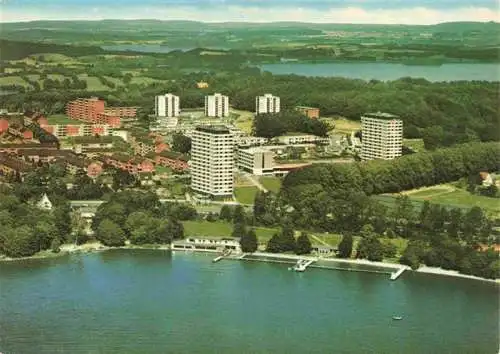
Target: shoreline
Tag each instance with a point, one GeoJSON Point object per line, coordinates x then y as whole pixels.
{"type": "Point", "coordinates": [94, 247]}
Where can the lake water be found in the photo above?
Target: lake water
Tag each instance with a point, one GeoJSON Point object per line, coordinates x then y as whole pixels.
{"type": "Point", "coordinates": [391, 71]}
{"type": "Point", "coordinates": [155, 302]}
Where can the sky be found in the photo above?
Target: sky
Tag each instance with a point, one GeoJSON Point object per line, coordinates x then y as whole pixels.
{"type": "Point", "coordinates": [318, 11]}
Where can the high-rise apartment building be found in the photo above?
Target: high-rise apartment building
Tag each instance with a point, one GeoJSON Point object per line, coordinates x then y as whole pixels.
{"type": "Point", "coordinates": [267, 104]}
{"type": "Point", "coordinates": [216, 105]}
{"type": "Point", "coordinates": [212, 161]}
{"type": "Point", "coordinates": [167, 105]}
{"type": "Point", "coordinates": [382, 136]}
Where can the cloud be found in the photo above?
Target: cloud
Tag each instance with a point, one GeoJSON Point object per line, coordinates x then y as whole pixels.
{"type": "Point", "coordinates": [255, 11]}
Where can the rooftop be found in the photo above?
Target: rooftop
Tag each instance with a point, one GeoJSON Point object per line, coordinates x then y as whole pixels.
{"type": "Point", "coordinates": [213, 129]}
{"type": "Point", "coordinates": [380, 115]}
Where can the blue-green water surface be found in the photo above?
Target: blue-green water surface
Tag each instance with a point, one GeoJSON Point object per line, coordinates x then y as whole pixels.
{"type": "Point", "coordinates": [155, 302]}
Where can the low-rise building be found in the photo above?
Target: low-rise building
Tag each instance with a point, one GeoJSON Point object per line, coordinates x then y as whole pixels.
{"type": "Point", "coordinates": [247, 140]}
{"type": "Point", "coordinates": [173, 160]}
{"type": "Point", "coordinates": [301, 139]}
{"type": "Point", "coordinates": [132, 164]}
{"type": "Point", "coordinates": [310, 112]}
{"type": "Point", "coordinates": [256, 160]}
{"type": "Point", "coordinates": [10, 164]}
{"type": "Point", "coordinates": [84, 144]}
{"type": "Point", "coordinates": [208, 244]}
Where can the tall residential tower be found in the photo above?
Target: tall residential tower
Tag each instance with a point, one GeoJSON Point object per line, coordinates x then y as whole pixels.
{"type": "Point", "coordinates": [167, 105]}
{"type": "Point", "coordinates": [212, 161]}
{"type": "Point", "coordinates": [217, 105]}
{"type": "Point", "coordinates": [382, 136]}
{"type": "Point", "coordinates": [267, 104]}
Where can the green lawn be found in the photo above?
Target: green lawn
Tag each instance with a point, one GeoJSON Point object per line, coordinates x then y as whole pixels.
{"type": "Point", "coordinates": [221, 229]}
{"type": "Point", "coordinates": [416, 144]}
{"type": "Point", "coordinates": [162, 169]}
{"type": "Point", "coordinates": [245, 195]}
{"type": "Point", "coordinates": [13, 80]}
{"type": "Point", "coordinates": [61, 119]}
{"type": "Point", "coordinates": [460, 198]}
{"type": "Point", "coordinates": [206, 228]}
{"type": "Point", "coordinates": [271, 183]}
{"type": "Point", "coordinates": [428, 193]}
{"type": "Point", "coordinates": [93, 83]}
{"type": "Point", "coordinates": [445, 195]}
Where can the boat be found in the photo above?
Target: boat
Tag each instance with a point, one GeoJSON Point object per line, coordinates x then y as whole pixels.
{"type": "Point", "coordinates": [397, 318]}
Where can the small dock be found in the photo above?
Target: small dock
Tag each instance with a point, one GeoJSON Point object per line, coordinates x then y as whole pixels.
{"type": "Point", "coordinates": [395, 275]}
{"type": "Point", "coordinates": [226, 253]}
{"type": "Point", "coordinates": [301, 265]}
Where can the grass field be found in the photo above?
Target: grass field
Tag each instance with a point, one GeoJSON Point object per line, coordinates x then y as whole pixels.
{"type": "Point", "coordinates": [416, 144]}
{"type": "Point", "coordinates": [272, 184]}
{"type": "Point", "coordinates": [93, 83]}
{"type": "Point", "coordinates": [245, 195]}
{"type": "Point", "coordinates": [13, 80]}
{"type": "Point", "coordinates": [457, 197]}
{"type": "Point", "coordinates": [346, 126]}
{"type": "Point", "coordinates": [244, 121]}
{"type": "Point", "coordinates": [221, 229]}
{"type": "Point", "coordinates": [445, 195]}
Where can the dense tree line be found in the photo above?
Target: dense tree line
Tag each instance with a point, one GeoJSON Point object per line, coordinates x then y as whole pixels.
{"type": "Point", "coordinates": [15, 50]}
{"type": "Point", "coordinates": [271, 125]}
{"type": "Point", "coordinates": [27, 230]}
{"type": "Point", "coordinates": [140, 218]}
{"type": "Point", "coordinates": [404, 173]}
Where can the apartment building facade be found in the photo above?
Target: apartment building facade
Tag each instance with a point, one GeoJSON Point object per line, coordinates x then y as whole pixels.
{"type": "Point", "coordinates": [93, 110]}
{"type": "Point", "coordinates": [382, 136]}
{"type": "Point", "coordinates": [212, 161]}
{"type": "Point", "coordinates": [258, 161]}
{"type": "Point", "coordinates": [267, 104]}
{"type": "Point", "coordinates": [216, 105]}
{"type": "Point", "coordinates": [167, 105]}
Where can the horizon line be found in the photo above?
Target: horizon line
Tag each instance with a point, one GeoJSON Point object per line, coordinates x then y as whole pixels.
{"type": "Point", "coordinates": [244, 22]}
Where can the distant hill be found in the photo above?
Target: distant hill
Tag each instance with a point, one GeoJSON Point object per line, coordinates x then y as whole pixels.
{"type": "Point", "coordinates": [14, 50]}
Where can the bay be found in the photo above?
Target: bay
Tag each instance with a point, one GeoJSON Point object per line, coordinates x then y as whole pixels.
{"type": "Point", "coordinates": [141, 301]}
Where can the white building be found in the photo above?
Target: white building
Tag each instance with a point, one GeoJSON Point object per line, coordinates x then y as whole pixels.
{"type": "Point", "coordinates": [167, 105]}
{"type": "Point", "coordinates": [382, 136]}
{"type": "Point", "coordinates": [301, 139]}
{"type": "Point", "coordinates": [247, 140]}
{"type": "Point", "coordinates": [256, 160]}
{"type": "Point", "coordinates": [216, 105]}
{"type": "Point", "coordinates": [212, 161]}
{"type": "Point", "coordinates": [44, 203]}
{"type": "Point", "coordinates": [267, 104]}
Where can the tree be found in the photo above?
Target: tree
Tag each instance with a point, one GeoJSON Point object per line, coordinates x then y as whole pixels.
{"type": "Point", "coordinates": [345, 246]}
{"type": "Point", "coordinates": [239, 216]}
{"type": "Point", "coordinates": [287, 238]}
{"type": "Point", "coordinates": [226, 213]}
{"type": "Point", "coordinates": [62, 220]}
{"type": "Point", "coordinates": [370, 246]}
{"type": "Point", "coordinates": [412, 254]}
{"type": "Point", "coordinates": [19, 242]}
{"type": "Point", "coordinates": [181, 143]}
{"type": "Point", "coordinates": [239, 230]}
{"type": "Point", "coordinates": [55, 245]}
{"type": "Point", "coordinates": [274, 244]}
{"type": "Point", "coordinates": [110, 234]}
{"type": "Point", "coordinates": [303, 244]}
{"type": "Point", "coordinates": [45, 232]}
{"type": "Point", "coordinates": [248, 241]}
{"type": "Point", "coordinates": [175, 229]}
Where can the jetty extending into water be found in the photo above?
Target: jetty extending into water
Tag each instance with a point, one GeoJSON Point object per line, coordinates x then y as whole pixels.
{"type": "Point", "coordinates": [303, 262]}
